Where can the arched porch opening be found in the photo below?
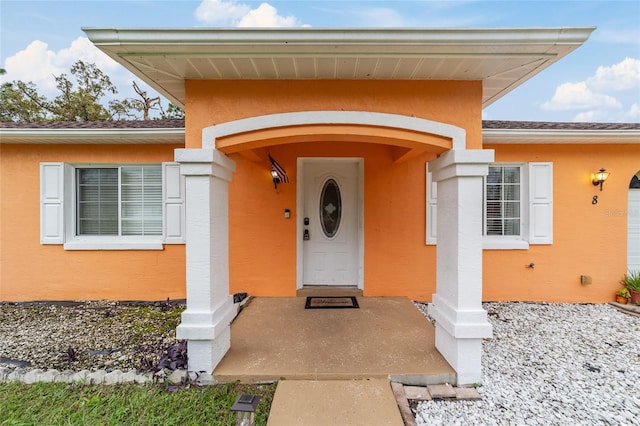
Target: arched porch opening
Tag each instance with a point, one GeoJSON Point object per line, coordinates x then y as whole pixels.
{"type": "Point", "coordinates": [461, 321]}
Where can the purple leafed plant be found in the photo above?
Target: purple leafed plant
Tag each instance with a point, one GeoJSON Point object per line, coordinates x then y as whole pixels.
{"type": "Point", "coordinates": [158, 357]}
{"type": "Point", "coordinates": [174, 357]}
{"type": "Point", "coordinates": [71, 354]}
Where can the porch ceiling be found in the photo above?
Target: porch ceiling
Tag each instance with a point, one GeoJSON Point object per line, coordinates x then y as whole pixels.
{"type": "Point", "coordinates": [501, 58]}
{"type": "Point", "coordinates": [406, 143]}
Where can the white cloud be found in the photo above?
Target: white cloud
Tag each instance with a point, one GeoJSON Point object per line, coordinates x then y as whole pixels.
{"type": "Point", "coordinates": [611, 94]}
{"type": "Point", "coordinates": [624, 75]}
{"type": "Point", "coordinates": [630, 115]}
{"type": "Point", "coordinates": [39, 64]}
{"type": "Point", "coordinates": [221, 12]}
{"type": "Point", "coordinates": [267, 16]}
{"type": "Point", "coordinates": [231, 13]}
{"type": "Point", "coordinates": [579, 96]}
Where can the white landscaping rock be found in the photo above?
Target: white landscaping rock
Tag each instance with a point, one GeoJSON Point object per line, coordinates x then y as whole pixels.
{"type": "Point", "coordinates": [177, 376]}
{"type": "Point", "coordinates": [112, 378]}
{"type": "Point", "coordinates": [552, 364]}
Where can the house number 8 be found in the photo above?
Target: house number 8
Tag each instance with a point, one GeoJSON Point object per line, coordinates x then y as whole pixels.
{"type": "Point", "coordinates": [594, 200]}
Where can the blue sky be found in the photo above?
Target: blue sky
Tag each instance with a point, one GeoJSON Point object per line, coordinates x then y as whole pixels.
{"type": "Point", "coordinates": [598, 82]}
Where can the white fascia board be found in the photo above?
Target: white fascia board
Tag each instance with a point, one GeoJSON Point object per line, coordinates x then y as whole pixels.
{"type": "Point", "coordinates": [162, 38]}
{"type": "Point", "coordinates": [92, 136]}
{"type": "Point", "coordinates": [559, 136]}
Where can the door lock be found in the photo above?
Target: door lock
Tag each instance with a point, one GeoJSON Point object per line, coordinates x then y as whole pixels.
{"type": "Point", "coordinates": [306, 221]}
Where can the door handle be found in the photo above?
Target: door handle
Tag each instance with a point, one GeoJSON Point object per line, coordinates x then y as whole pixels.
{"type": "Point", "coordinates": [306, 235]}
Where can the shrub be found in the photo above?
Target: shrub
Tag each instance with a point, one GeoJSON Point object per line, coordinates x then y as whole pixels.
{"type": "Point", "coordinates": [631, 280]}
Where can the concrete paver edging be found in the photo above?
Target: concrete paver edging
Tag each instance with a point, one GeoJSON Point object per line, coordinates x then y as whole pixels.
{"type": "Point", "coordinates": [95, 377]}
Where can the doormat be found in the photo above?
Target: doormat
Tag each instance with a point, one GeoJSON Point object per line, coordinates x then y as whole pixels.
{"type": "Point", "coordinates": [331, 302]}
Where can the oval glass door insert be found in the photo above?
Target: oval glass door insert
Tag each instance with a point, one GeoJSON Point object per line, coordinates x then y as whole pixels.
{"type": "Point", "coordinates": [330, 208]}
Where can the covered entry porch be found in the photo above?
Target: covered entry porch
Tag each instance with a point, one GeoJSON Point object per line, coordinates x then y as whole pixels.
{"type": "Point", "coordinates": [460, 320]}
{"type": "Point", "coordinates": [386, 337]}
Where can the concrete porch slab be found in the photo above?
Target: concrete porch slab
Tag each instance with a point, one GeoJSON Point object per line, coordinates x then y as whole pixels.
{"type": "Point", "coordinates": [276, 338]}
{"type": "Point", "coordinates": [329, 402]}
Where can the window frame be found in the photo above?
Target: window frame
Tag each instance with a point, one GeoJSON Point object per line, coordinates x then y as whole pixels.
{"type": "Point", "coordinates": [498, 242]}
{"type": "Point", "coordinates": [120, 197]}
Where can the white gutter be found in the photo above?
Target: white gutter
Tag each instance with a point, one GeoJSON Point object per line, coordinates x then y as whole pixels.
{"type": "Point", "coordinates": [559, 136]}
{"type": "Point", "coordinates": [420, 37]}
{"type": "Point", "coordinates": [91, 136]}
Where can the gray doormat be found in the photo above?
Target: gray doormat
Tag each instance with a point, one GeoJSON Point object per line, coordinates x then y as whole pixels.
{"type": "Point", "coordinates": [331, 302]}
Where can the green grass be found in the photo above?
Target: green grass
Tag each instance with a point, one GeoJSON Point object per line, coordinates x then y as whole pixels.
{"type": "Point", "coordinates": [75, 404]}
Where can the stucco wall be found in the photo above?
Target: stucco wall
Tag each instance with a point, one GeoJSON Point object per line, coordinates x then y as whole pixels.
{"type": "Point", "coordinates": [31, 271]}
{"type": "Point", "coordinates": [214, 102]}
{"type": "Point", "coordinates": [263, 242]}
{"type": "Point", "coordinates": [589, 239]}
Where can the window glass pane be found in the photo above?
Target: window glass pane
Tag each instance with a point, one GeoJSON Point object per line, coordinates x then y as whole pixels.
{"type": "Point", "coordinates": [511, 227]}
{"type": "Point", "coordinates": [140, 203]}
{"type": "Point", "coordinates": [132, 176]}
{"type": "Point", "coordinates": [494, 193]}
{"type": "Point", "coordinates": [502, 201]}
{"type": "Point", "coordinates": [330, 208]}
{"type": "Point", "coordinates": [494, 210]}
{"type": "Point", "coordinates": [97, 201]}
{"type": "Point", "coordinates": [511, 210]}
{"type": "Point", "coordinates": [142, 200]}
{"type": "Point", "coordinates": [494, 227]}
{"type": "Point", "coordinates": [511, 175]}
{"type": "Point", "coordinates": [511, 192]}
{"type": "Point", "coordinates": [495, 175]}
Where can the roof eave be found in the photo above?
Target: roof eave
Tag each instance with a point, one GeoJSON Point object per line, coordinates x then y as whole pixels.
{"type": "Point", "coordinates": [546, 44]}
{"type": "Point", "coordinates": [159, 136]}
{"type": "Point", "coordinates": [558, 136]}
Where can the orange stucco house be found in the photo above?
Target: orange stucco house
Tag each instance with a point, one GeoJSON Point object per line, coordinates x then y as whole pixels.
{"type": "Point", "coordinates": [395, 184]}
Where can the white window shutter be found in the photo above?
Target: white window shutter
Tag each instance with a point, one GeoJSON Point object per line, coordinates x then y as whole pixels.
{"type": "Point", "coordinates": [52, 203]}
{"type": "Point", "coordinates": [540, 203]}
{"type": "Point", "coordinates": [173, 204]}
{"type": "Point", "coordinates": [432, 209]}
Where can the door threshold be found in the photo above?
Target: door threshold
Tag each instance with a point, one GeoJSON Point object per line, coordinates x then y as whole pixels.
{"type": "Point", "coordinates": [328, 290]}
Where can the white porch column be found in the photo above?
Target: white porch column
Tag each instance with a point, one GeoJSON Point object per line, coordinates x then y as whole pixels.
{"type": "Point", "coordinates": [461, 323]}
{"type": "Point", "coordinates": [210, 308]}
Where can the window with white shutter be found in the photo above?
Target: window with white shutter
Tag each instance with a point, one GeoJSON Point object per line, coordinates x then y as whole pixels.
{"type": "Point", "coordinates": [112, 206]}
{"type": "Point", "coordinates": [518, 206]}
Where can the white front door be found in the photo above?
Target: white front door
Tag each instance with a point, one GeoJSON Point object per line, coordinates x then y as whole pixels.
{"type": "Point", "coordinates": [330, 222]}
{"type": "Point", "coordinates": [633, 218]}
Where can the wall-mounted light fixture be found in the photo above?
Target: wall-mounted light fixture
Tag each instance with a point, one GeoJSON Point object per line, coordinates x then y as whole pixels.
{"type": "Point", "coordinates": [599, 177]}
{"type": "Point", "coordinates": [276, 179]}
{"type": "Point", "coordinates": [278, 174]}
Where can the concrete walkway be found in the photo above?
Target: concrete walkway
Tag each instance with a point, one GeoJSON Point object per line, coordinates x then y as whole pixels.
{"type": "Point", "coordinates": [334, 403]}
{"type": "Point", "coordinates": [386, 338]}
{"type": "Point", "coordinates": [334, 366]}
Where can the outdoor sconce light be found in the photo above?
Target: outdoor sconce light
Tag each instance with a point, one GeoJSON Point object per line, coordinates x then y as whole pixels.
{"type": "Point", "coordinates": [599, 177]}
{"type": "Point", "coordinates": [245, 409]}
{"type": "Point", "coordinates": [276, 178]}
{"type": "Point", "coordinates": [278, 174]}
